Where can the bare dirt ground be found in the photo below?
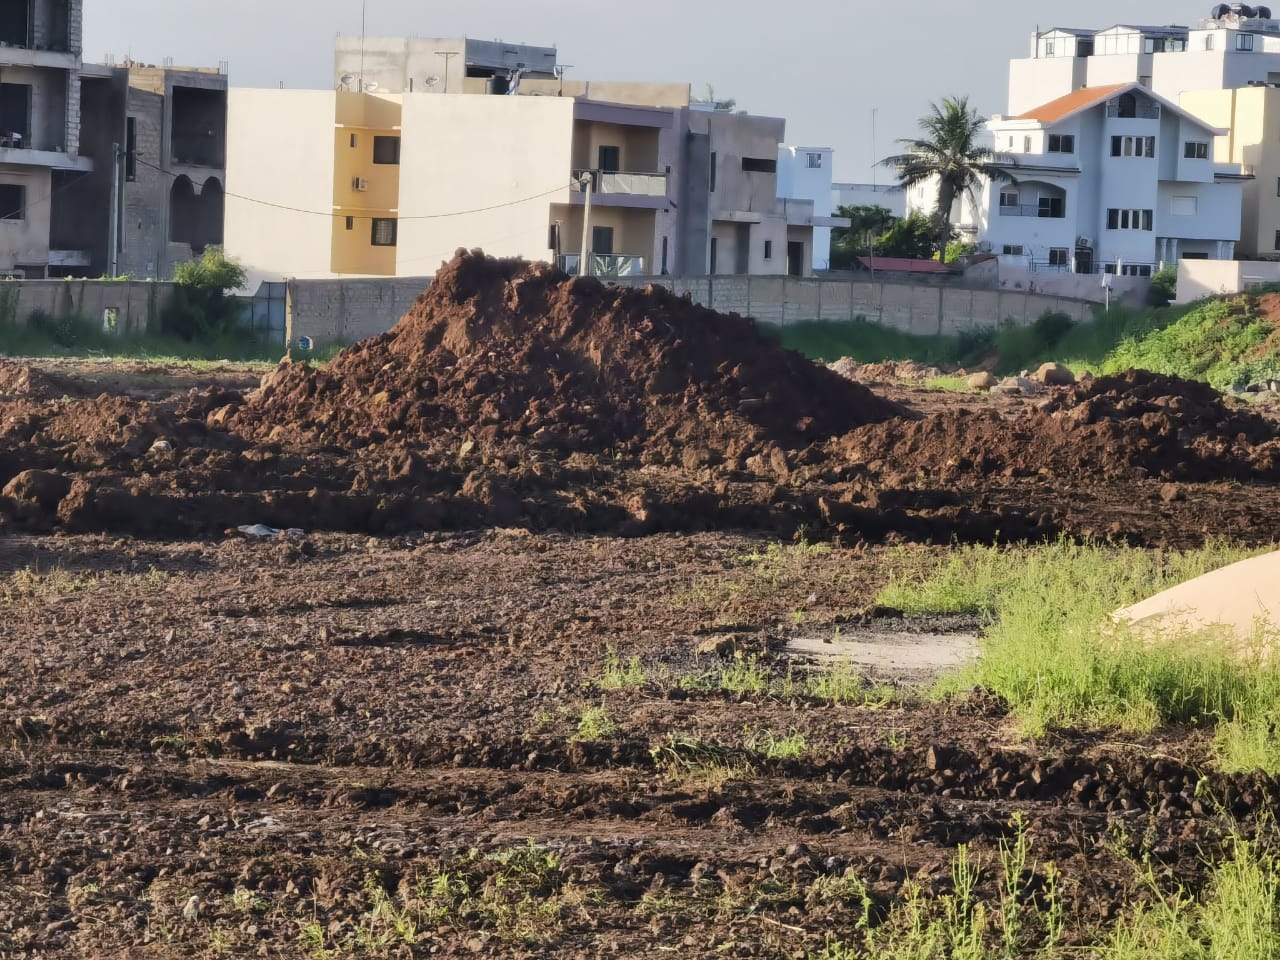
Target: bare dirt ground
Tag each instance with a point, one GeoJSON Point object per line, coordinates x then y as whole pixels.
{"type": "Point", "coordinates": [523, 685]}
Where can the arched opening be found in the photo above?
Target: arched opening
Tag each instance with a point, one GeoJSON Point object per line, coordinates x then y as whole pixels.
{"type": "Point", "coordinates": [184, 215]}
{"type": "Point", "coordinates": [1127, 105]}
{"type": "Point", "coordinates": [211, 208]}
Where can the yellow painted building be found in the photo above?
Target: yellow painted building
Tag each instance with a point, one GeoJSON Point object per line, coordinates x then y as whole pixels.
{"type": "Point", "coordinates": [1251, 117]}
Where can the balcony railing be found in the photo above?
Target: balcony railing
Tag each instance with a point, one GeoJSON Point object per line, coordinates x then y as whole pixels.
{"type": "Point", "coordinates": [605, 265]}
{"type": "Point", "coordinates": [628, 184]}
{"type": "Point", "coordinates": [1030, 210]}
{"type": "Point", "coordinates": [1143, 111]}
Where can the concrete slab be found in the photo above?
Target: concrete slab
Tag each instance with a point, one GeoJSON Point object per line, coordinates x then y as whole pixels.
{"type": "Point", "coordinates": [899, 655]}
{"type": "Point", "coordinates": [1243, 600]}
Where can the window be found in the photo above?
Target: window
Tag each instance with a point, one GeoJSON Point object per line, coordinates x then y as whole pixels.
{"type": "Point", "coordinates": [1051, 207]}
{"type": "Point", "coordinates": [131, 149]}
{"type": "Point", "coordinates": [711, 185]}
{"type": "Point", "coordinates": [1244, 41]}
{"type": "Point", "coordinates": [13, 201]}
{"type": "Point", "coordinates": [1195, 150]}
{"type": "Point", "coordinates": [602, 240]}
{"type": "Point", "coordinates": [715, 245]}
{"type": "Point", "coordinates": [609, 159]}
{"type": "Point", "coordinates": [768, 249]}
{"type": "Point", "coordinates": [1125, 219]}
{"type": "Point", "coordinates": [815, 161]}
{"type": "Point", "coordinates": [386, 150]}
{"type": "Point", "coordinates": [759, 165]}
{"type": "Point", "coordinates": [1008, 199]}
{"type": "Point", "coordinates": [1062, 143]}
{"type": "Point", "coordinates": [1012, 249]}
{"type": "Point", "coordinates": [1208, 41]}
{"type": "Point", "coordinates": [1277, 243]}
{"type": "Point", "coordinates": [351, 223]}
{"type": "Point", "coordinates": [355, 140]}
{"type": "Point", "coordinates": [1059, 257]}
{"type": "Point", "coordinates": [1048, 48]}
{"type": "Point", "coordinates": [15, 114]}
{"type": "Point", "coordinates": [1126, 105]}
{"type": "Point", "coordinates": [1026, 144]}
{"type": "Point", "coordinates": [384, 232]}
{"type": "Point", "coordinates": [1133, 146]}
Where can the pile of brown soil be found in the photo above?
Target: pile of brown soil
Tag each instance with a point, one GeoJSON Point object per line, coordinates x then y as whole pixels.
{"type": "Point", "coordinates": [515, 355]}
{"type": "Point", "coordinates": [20, 380]}
{"type": "Point", "coordinates": [1133, 425]}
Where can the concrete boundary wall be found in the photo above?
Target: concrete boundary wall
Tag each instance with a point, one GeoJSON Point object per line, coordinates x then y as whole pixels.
{"type": "Point", "coordinates": [331, 311]}
{"type": "Point", "coordinates": [137, 303]}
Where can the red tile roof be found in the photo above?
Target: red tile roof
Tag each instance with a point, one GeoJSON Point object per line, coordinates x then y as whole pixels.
{"type": "Point", "coordinates": [1077, 100]}
{"type": "Point", "coordinates": [904, 265]}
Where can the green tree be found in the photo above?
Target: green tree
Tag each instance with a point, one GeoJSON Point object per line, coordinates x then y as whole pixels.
{"type": "Point", "coordinates": [948, 153]}
{"type": "Point", "coordinates": [869, 222]}
{"type": "Point", "coordinates": [913, 237]}
{"type": "Point", "coordinates": [201, 307]}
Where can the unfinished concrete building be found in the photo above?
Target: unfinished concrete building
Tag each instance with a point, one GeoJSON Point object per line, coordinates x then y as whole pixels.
{"type": "Point", "coordinates": [61, 123]}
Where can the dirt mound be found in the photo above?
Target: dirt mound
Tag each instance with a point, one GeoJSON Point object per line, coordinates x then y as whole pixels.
{"type": "Point", "coordinates": [886, 371]}
{"type": "Point", "coordinates": [1133, 425]}
{"type": "Point", "coordinates": [517, 355]}
{"type": "Point", "coordinates": [20, 380]}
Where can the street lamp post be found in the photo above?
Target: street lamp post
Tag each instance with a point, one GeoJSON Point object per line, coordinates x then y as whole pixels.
{"type": "Point", "coordinates": [587, 182]}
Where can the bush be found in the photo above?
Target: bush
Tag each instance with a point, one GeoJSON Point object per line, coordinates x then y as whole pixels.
{"type": "Point", "coordinates": [201, 308]}
{"type": "Point", "coordinates": [1164, 287]}
{"type": "Point", "coordinates": [65, 331]}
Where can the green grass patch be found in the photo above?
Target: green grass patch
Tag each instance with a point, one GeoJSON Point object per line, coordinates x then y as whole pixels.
{"type": "Point", "coordinates": [1052, 652]}
{"type": "Point", "coordinates": [869, 342]}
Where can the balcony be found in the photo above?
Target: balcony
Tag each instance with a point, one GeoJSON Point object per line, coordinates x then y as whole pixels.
{"type": "Point", "coordinates": [621, 188]}
{"type": "Point", "coordinates": [605, 265]}
{"type": "Point", "coordinates": [13, 152]}
{"type": "Point", "coordinates": [1032, 210]}
{"type": "Point", "coordinates": [198, 150]}
{"type": "Point", "coordinates": [13, 56]}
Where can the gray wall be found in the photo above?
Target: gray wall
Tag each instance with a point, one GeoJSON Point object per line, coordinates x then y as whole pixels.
{"type": "Point", "coordinates": [134, 301]}
{"type": "Point", "coordinates": [331, 311]}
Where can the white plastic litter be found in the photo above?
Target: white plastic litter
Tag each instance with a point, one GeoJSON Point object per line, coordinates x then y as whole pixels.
{"type": "Point", "coordinates": [260, 531]}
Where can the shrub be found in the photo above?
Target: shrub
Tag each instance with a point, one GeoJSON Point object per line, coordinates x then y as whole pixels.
{"type": "Point", "coordinates": [201, 308]}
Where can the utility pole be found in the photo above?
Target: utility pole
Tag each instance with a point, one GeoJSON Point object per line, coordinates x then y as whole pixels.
{"type": "Point", "coordinates": [447, 54]}
{"type": "Point", "coordinates": [116, 198]}
{"type": "Point", "coordinates": [584, 258]}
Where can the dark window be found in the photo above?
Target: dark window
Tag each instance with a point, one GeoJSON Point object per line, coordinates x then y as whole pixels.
{"type": "Point", "coordinates": [355, 140]}
{"type": "Point", "coordinates": [1147, 219]}
{"type": "Point", "coordinates": [15, 114]}
{"type": "Point", "coordinates": [1012, 249]}
{"type": "Point", "coordinates": [602, 240]}
{"type": "Point", "coordinates": [1195, 150]}
{"type": "Point", "coordinates": [384, 233]}
{"type": "Point", "coordinates": [610, 159]}
{"type": "Point", "coordinates": [1151, 146]}
{"type": "Point", "coordinates": [768, 249]}
{"type": "Point", "coordinates": [15, 27]}
{"type": "Point", "coordinates": [386, 150]}
{"type": "Point", "coordinates": [1113, 219]}
{"type": "Point", "coordinates": [1062, 143]}
{"type": "Point", "coordinates": [1058, 257]}
{"type": "Point", "coordinates": [664, 256]}
{"type": "Point", "coordinates": [1116, 146]}
{"type": "Point", "coordinates": [1008, 199]}
{"type": "Point", "coordinates": [1051, 207]}
{"type": "Point", "coordinates": [1277, 243]}
{"type": "Point", "coordinates": [1127, 105]}
{"type": "Point", "coordinates": [131, 149]}
{"type": "Point", "coordinates": [1278, 186]}
{"type": "Point", "coordinates": [13, 201]}
{"type": "Point", "coordinates": [711, 184]}
{"type": "Point", "coordinates": [1244, 41]}
{"type": "Point", "coordinates": [715, 250]}
{"type": "Point", "coordinates": [759, 165]}
{"type": "Point", "coordinates": [351, 223]}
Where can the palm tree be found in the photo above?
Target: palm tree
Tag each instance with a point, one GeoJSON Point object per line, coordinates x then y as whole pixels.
{"type": "Point", "coordinates": [947, 152]}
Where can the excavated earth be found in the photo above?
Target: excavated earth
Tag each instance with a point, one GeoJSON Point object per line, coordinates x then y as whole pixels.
{"type": "Point", "coordinates": [472, 708]}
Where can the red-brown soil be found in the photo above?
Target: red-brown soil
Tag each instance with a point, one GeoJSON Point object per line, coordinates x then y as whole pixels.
{"type": "Point", "coordinates": [512, 395]}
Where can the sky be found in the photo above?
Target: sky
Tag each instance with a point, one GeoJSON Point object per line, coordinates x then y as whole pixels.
{"type": "Point", "coordinates": [847, 74]}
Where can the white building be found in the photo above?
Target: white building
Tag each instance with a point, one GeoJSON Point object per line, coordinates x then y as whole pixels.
{"type": "Point", "coordinates": [804, 173]}
{"type": "Point", "coordinates": [1217, 54]}
{"type": "Point", "coordinates": [887, 195]}
{"type": "Point", "coordinates": [1108, 179]}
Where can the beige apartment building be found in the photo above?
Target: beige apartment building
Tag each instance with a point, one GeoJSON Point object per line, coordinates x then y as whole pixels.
{"type": "Point", "coordinates": [393, 170]}
{"type": "Point", "coordinates": [1250, 117]}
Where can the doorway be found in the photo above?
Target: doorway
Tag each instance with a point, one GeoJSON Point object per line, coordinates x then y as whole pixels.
{"type": "Point", "coordinates": [1084, 261]}
{"type": "Point", "coordinates": [795, 258]}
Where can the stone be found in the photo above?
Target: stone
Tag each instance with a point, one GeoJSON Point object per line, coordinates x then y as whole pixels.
{"type": "Point", "coordinates": [981, 381]}
{"type": "Point", "coordinates": [1054, 375]}
{"type": "Point", "coordinates": [1171, 492]}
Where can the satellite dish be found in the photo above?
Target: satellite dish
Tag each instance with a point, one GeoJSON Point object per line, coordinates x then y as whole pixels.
{"type": "Point", "coordinates": [432, 81]}
{"type": "Point", "coordinates": [346, 80]}
{"type": "Point", "coordinates": [371, 86]}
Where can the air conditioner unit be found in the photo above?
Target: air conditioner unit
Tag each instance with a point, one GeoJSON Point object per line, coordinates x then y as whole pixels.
{"type": "Point", "coordinates": [1084, 241]}
{"type": "Point", "coordinates": [359, 184]}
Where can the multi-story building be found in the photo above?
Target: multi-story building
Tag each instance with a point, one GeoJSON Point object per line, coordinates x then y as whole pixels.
{"type": "Point", "coordinates": [69, 129]}
{"type": "Point", "coordinates": [805, 173]}
{"type": "Point", "coordinates": [1218, 53]}
{"type": "Point", "coordinates": [1111, 179]}
{"type": "Point", "coordinates": [393, 181]}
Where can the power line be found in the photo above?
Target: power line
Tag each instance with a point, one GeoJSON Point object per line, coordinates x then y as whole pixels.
{"type": "Point", "coordinates": [332, 215]}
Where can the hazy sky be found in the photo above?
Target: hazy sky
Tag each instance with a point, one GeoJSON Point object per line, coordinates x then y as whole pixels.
{"type": "Point", "coordinates": [824, 65]}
